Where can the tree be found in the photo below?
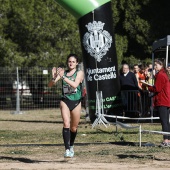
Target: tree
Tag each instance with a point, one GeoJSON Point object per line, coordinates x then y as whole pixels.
{"type": "Point", "coordinates": [38, 32]}
{"type": "Point", "coordinates": [42, 33]}
{"type": "Point", "coordinates": [133, 29]}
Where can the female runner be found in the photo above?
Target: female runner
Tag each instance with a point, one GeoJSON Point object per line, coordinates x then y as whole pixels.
{"type": "Point", "coordinates": [70, 104]}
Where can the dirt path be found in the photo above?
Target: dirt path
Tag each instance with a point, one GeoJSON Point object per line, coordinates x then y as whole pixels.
{"type": "Point", "coordinates": [73, 165]}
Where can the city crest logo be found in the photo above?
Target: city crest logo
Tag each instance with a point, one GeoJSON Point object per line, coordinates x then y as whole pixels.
{"type": "Point", "coordinates": [97, 41]}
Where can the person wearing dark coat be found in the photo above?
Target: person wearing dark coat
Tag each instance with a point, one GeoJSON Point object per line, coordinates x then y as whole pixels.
{"type": "Point", "coordinates": [128, 83]}
{"type": "Point", "coordinates": [128, 79]}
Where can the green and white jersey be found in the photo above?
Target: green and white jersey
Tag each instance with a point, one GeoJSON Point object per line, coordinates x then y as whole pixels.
{"type": "Point", "coordinates": [68, 91]}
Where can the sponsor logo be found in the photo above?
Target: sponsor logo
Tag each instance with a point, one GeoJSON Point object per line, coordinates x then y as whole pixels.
{"type": "Point", "coordinates": [97, 41]}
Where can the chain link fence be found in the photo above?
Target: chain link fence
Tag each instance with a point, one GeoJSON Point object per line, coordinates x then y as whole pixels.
{"type": "Point", "coordinates": [32, 88]}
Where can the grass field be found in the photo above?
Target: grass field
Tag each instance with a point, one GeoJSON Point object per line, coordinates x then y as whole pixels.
{"type": "Point", "coordinates": [35, 137]}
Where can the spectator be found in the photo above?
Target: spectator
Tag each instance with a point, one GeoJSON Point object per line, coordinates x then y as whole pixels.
{"type": "Point", "coordinates": [128, 82]}
{"type": "Point", "coordinates": [161, 91]}
{"type": "Point", "coordinates": [151, 69]}
{"type": "Point", "coordinates": [128, 79]}
{"type": "Point", "coordinates": [140, 75]}
{"type": "Point", "coordinates": [168, 69]}
{"type": "Point", "coordinates": [148, 75]}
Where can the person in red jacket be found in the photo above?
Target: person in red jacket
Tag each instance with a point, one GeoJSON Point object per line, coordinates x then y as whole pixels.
{"type": "Point", "coordinates": [161, 90]}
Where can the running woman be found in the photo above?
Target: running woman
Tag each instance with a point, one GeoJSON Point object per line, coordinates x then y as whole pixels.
{"type": "Point", "coordinates": [70, 104]}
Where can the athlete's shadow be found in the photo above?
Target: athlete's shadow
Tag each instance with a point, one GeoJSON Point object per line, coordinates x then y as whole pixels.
{"type": "Point", "coordinates": [34, 121]}
{"type": "Point", "coordinates": [24, 160]}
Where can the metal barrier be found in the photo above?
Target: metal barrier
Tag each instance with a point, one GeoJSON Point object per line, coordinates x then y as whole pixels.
{"type": "Point", "coordinates": [127, 126]}
{"type": "Point", "coordinates": [135, 101]}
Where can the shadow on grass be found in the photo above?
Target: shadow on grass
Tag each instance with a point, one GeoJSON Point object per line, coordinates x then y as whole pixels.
{"type": "Point", "coordinates": [33, 121]}
{"type": "Point", "coordinates": [76, 144]}
{"type": "Point", "coordinates": [25, 160]}
{"type": "Point", "coordinates": [37, 121]}
{"type": "Point", "coordinates": [122, 156]}
{"type": "Point", "coordinates": [100, 131]}
{"type": "Point", "coordinates": [152, 157]}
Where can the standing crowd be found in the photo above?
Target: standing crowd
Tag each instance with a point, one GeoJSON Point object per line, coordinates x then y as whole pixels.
{"type": "Point", "coordinates": [154, 79]}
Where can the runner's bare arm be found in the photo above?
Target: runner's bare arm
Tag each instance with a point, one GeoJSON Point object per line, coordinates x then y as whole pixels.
{"type": "Point", "coordinates": [55, 77]}
{"type": "Point", "coordinates": [78, 80]}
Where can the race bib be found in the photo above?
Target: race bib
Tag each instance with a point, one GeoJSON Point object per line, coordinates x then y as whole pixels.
{"type": "Point", "coordinates": [69, 90]}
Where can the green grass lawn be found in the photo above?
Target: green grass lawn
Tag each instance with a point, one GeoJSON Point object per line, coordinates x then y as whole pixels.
{"type": "Point", "coordinates": [39, 132]}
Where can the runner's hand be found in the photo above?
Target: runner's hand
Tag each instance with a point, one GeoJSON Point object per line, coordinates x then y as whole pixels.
{"type": "Point", "coordinates": [54, 72]}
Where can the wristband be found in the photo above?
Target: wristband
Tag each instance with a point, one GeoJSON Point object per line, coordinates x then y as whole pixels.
{"type": "Point", "coordinates": [63, 77]}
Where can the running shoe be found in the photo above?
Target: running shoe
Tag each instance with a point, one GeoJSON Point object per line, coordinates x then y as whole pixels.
{"type": "Point", "coordinates": [72, 151]}
{"type": "Point", "coordinates": [67, 154]}
{"type": "Point", "coordinates": [164, 144]}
